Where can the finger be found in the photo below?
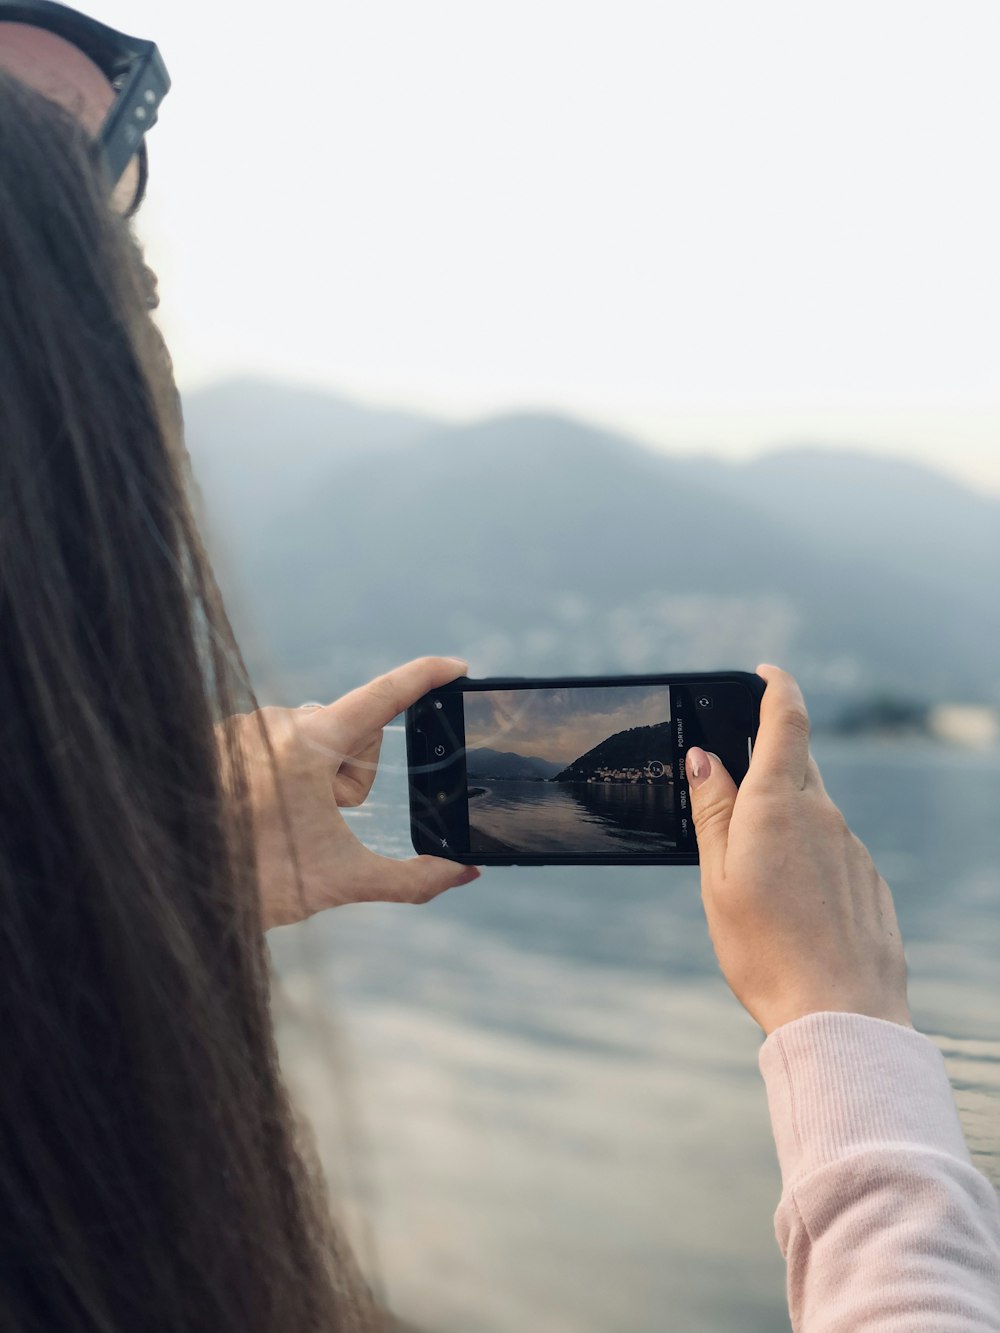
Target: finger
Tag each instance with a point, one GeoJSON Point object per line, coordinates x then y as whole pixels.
{"type": "Point", "coordinates": [713, 795]}
{"type": "Point", "coordinates": [348, 720]}
{"type": "Point", "coordinates": [814, 778]}
{"type": "Point", "coordinates": [353, 780]}
{"type": "Point", "coordinates": [781, 750]}
{"type": "Point", "coordinates": [416, 880]}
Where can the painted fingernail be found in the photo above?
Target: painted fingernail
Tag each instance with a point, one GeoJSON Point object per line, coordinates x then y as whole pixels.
{"type": "Point", "coordinates": [468, 875]}
{"type": "Point", "coordinates": [699, 766]}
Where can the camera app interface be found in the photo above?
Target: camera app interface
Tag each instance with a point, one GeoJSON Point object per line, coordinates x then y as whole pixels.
{"type": "Point", "coordinates": [573, 771]}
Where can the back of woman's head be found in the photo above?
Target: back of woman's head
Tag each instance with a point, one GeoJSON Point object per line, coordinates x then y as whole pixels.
{"type": "Point", "coordinates": [148, 1175]}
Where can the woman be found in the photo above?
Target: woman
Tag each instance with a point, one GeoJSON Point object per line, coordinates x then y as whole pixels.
{"type": "Point", "coordinates": [149, 1175]}
{"type": "Point", "coordinates": [153, 823]}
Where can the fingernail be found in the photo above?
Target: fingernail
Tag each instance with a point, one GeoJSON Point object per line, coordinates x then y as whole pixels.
{"type": "Point", "coordinates": [459, 661]}
{"type": "Point", "coordinates": [699, 766]}
{"type": "Point", "coordinates": [468, 875]}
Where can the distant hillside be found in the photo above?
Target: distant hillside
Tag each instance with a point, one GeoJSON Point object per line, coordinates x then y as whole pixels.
{"type": "Point", "coordinates": [262, 446]}
{"type": "Point", "coordinates": [634, 748]}
{"type": "Point", "coordinates": [866, 514]}
{"type": "Point", "coordinates": [487, 763]}
{"type": "Point", "coordinates": [347, 540]}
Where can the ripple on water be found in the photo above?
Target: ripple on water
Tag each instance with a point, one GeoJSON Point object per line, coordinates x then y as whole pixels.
{"type": "Point", "coordinates": [974, 1070]}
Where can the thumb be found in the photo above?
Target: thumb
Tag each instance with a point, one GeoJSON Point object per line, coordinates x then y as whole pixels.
{"type": "Point", "coordinates": [415, 880]}
{"type": "Point", "coordinates": [713, 795]}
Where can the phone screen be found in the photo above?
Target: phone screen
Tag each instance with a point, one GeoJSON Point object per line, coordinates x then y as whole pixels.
{"type": "Point", "coordinates": [571, 770]}
{"type": "Point", "coordinates": [568, 771]}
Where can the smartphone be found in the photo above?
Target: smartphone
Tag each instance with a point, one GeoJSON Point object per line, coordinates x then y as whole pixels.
{"type": "Point", "coordinates": [571, 771]}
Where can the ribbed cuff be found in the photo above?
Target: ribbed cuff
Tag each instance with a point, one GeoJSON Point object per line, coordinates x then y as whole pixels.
{"type": "Point", "coordinates": [840, 1083]}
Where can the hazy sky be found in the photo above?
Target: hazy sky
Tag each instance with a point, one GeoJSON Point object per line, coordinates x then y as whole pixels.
{"type": "Point", "coordinates": [719, 225]}
{"type": "Point", "coordinates": [559, 725]}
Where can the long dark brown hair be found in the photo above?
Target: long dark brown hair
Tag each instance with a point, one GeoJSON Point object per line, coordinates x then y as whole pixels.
{"type": "Point", "coordinates": [150, 1171]}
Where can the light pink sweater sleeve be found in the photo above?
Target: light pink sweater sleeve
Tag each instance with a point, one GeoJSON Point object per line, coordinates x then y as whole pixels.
{"type": "Point", "coordinates": [884, 1222]}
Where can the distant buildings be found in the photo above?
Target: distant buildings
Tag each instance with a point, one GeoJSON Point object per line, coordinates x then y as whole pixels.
{"type": "Point", "coordinates": [649, 775]}
{"type": "Point", "coordinates": [974, 726]}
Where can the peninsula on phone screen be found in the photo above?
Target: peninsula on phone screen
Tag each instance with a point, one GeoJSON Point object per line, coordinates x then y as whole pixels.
{"type": "Point", "coordinates": [571, 770]}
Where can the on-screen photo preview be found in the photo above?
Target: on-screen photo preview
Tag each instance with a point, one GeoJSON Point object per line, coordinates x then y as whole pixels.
{"type": "Point", "coordinates": [572, 770]}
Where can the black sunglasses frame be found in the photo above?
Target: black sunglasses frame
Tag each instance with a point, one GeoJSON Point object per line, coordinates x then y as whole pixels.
{"type": "Point", "coordinates": [133, 67]}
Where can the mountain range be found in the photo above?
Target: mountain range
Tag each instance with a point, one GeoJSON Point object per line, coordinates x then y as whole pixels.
{"type": "Point", "coordinates": [634, 748]}
{"type": "Point", "coordinates": [486, 763]}
{"type": "Point", "coordinates": [347, 539]}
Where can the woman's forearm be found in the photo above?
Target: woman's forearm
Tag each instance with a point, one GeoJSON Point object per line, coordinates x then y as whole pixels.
{"type": "Point", "coordinates": [884, 1222]}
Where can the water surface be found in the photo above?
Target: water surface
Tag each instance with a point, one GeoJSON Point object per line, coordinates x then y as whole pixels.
{"type": "Point", "coordinates": [562, 1121]}
{"type": "Point", "coordinates": [567, 818]}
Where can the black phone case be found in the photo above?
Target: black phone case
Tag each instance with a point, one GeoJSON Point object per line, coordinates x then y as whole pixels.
{"type": "Point", "coordinates": [464, 685]}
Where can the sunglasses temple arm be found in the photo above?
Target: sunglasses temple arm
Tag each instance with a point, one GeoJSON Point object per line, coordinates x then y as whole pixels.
{"type": "Point", "coordinates": [134, 112]}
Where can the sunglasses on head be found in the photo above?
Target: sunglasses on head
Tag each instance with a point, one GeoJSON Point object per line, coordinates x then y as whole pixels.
{"type": "Point", "coordinates": [112, 83]}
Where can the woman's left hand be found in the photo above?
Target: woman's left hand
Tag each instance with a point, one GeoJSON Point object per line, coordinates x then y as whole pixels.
{"type": "Point", "coordinates": [326, 759]}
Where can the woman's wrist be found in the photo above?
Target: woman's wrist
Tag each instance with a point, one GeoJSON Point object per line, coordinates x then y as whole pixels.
{"type": "Point", "coordinates": [839, 1083]}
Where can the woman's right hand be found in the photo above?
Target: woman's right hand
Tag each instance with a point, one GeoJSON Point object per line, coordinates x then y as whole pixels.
{"type": "Point", "coordinates": [800, 919]}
